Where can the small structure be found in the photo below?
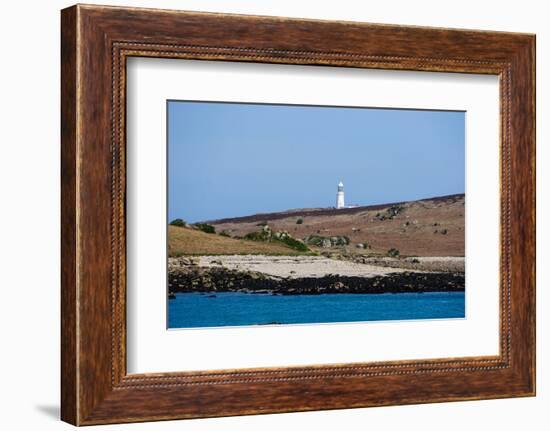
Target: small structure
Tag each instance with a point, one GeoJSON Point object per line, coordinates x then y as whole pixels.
{"type": "Point", "coordinates": [340, 203]}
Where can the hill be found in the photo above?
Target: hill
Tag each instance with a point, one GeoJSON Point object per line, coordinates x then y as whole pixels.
{"type": "Point", "coordinates": [426, 227]}
{"type": "Point", "coordinates": [189, 241]}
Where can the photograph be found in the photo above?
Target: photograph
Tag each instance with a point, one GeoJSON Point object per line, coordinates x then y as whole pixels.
{"type": "Point", "coordinates": [282, 214]}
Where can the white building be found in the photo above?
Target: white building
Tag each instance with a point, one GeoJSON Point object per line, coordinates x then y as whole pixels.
{"type": "Point", "coordinates": [340, 203]}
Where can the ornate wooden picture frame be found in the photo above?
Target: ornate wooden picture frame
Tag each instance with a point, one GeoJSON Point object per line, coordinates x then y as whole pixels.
{"type": "Point", "coordinates": [96, 41]}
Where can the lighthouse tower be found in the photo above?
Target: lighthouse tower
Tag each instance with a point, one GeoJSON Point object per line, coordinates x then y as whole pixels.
{"type": "Point", "coordinates": [340, 196]}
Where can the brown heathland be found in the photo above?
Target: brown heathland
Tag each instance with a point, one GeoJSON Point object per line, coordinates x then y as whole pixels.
{"type": "Point", "coordinates": [189, 241]}
{"type": "Point", "coordinates": [427, 227]}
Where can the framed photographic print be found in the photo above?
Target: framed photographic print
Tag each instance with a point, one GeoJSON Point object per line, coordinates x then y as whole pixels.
{"type": "Point", "coordinates": [268, 215]}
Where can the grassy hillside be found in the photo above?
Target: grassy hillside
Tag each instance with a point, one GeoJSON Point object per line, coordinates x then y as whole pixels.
{"type": "Point", "coordinates": [188, 241]}
{"type": "Point", "coordinates": [428, 227]}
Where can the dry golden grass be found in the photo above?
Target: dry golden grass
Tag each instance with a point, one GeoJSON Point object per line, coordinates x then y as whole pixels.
{"type": "Point", "coordinates": [188, 241]}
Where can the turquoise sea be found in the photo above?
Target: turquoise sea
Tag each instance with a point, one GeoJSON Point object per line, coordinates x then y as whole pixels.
{"type": "Point", "coordinates": [196, 310]}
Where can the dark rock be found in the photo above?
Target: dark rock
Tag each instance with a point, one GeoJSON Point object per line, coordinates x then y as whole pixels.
{"type": "Point", "coordinates": [225, 280]}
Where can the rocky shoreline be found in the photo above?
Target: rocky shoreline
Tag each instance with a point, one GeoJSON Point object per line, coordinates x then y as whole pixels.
{"type": "Point", "coordinates": [432, 264]}
{"type": "Point", "coordinates": [192, 278]}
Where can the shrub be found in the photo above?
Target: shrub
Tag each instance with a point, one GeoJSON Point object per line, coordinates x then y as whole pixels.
{"type": "Point", "coordinates": [178, 222]}
{"type": "Point", "coordinates": [393, 252]}
{"type": "Point", "coordinates": [294, 243]}
{"type": "Point", "coordinates": [224, 233]}
{"type": "Point", "coordinates": [263, 235]}
{"type": "Point", "coordinates": [344, 240]}
{"type": "Point", "coordinates": [318, 241]}
{"type": "Point", "coordinates": [267, 235]}
{"type": "Point", "coordinates": [300, 220]}
{"type": "Point", "coordinates": [207, 228]}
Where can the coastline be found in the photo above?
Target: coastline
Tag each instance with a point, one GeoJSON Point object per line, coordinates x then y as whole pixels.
{"type": "Point", "coordinates": [302, 276]}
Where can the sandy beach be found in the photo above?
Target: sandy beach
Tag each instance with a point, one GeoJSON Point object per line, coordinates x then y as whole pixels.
{"type": "Point", "coordinates": [295, 266]}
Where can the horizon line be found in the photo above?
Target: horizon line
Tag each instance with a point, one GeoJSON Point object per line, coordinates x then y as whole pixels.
{"type": "Point", "coordinates": [317, 210]}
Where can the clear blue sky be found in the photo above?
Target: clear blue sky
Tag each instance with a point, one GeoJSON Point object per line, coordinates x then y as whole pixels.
{"type": "Point", "coordinates": [230, 160]}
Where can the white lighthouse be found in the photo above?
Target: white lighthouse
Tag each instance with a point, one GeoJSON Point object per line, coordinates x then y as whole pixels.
{"type": "Point", "coordinates": [340, 203]}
